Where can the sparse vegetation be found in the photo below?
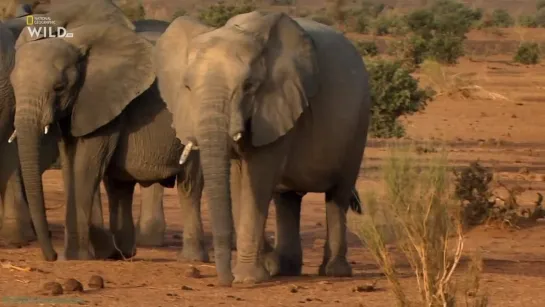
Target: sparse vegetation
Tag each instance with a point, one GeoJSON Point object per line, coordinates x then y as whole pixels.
{"type": "Point", "coordinates": [367, 48]}
{"type": "Point", "coordinates": [417, 214]}
{"type": "Point", "coordinates": [528, 53]}
{"type": "Point", "coordinates": [394, 93]}
{"type": "Point", "coordinates": [216, 15]}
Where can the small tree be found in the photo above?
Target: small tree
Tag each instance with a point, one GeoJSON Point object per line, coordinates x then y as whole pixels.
{"type": "Point", "coordinates": [528, 53]}
{"type": "Point", "coordinates": [394, 93]}
{"type": "Point", "coordinates": [501, 18]}
{"type": "Point", "coordinates": [527, 21]}
{"type": "Point", "coordinates": [366, 48]}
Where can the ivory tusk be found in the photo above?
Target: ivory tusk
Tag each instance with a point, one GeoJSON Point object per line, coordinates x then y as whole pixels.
{"type": "Point", "coordinates": [46, 129]}
{"type": "Point", "coordinates": [185, 152]}
{"type": "Point", "coordinates": [13, 136]}
{"type": "Point", "coordinates": [237, 137]}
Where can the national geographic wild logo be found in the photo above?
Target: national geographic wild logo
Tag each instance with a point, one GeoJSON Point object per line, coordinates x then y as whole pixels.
{"type": "Point", "coordinates": [43, 26]}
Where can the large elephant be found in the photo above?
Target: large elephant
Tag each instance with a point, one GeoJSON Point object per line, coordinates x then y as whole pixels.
{"type": "Point", "coordinates": [97, 90]}
{"type": "Point", "coordinates": [277, 107]}
{"type": "Point", "coordinates": [15, 224]}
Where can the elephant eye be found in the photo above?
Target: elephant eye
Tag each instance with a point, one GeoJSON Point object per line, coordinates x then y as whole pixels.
{"type": "Point", "coordinates": [58, 87]}
{"type": "Point", "coordinates": [247, 86]}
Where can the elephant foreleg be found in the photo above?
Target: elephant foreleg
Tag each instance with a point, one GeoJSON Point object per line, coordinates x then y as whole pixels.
{"type": "Point", "coordinates": [334, 262]}
{"type": "Point", "coordinates": [151, 225]}
{"type": "Point", "coordinates": [190, 186]}
{"type": "Point", "coordinates": [15, 223]}
{"type": "Point", "coordinates": [120, 197]}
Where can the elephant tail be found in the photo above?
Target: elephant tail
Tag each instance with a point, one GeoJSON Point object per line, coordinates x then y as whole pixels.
{"type": "Point", "coordinates": [355, 201]}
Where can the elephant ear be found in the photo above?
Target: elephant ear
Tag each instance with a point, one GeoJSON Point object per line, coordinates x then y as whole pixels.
{"type": "Point", "coordinates": [7, 52]}
{"type": "Point", "coordinates": [171, 62]}
{"type": "Point", "coordinates": [118, 68]}
{"type": "Point", "coordinates": [292, 73]}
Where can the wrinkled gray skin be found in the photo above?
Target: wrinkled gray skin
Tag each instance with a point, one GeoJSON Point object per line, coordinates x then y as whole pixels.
{"type": "Point", "coordinates": [97, 91]}
{"type": "Point", "coordinates": [277, 107]}
{"type": "Point", "coordinates": [15, 224]}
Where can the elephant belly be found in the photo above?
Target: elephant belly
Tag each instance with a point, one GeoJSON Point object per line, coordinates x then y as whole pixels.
{"type": "Point", "coordinates": [328, 141]}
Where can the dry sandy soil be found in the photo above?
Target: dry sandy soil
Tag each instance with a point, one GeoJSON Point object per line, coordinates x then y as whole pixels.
{"type": "Point", "coordinates": [504, 132]}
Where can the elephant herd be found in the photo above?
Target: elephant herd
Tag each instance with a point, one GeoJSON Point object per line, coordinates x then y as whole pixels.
{"type": "Point", "coordinates": [266, 107]}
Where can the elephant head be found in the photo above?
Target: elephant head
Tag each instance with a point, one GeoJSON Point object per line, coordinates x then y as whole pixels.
{"type": "Point", "coordinates": [247, 82]}
{"type": "Point", "coordinates": [81, 83]}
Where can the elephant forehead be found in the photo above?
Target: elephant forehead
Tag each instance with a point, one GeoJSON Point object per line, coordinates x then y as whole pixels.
{"type": "Point", "coordinates": [50, 52]}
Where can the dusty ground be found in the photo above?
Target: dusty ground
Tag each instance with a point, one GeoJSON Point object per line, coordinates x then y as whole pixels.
{"type": "Point", "coordinates": [505, 133]}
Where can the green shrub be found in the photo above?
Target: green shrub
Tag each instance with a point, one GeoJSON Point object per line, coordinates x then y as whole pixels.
{"type": "Point", "coordinates": [528, 53]}
{"type": "Point", "coordinates": [540, 4]}
{"type": "Point", "coordinates": [527, 21]}
{"type": "Point", "coordinates": [540, 17]}
{"type": "Point", "coordinates": [216, 15]}
{"type": "Point", "coordinates": [501, 18]}
{"type": "Point", "coordinates": [366, 48]}
{"type": "Point", "coordinates": [394, 93]}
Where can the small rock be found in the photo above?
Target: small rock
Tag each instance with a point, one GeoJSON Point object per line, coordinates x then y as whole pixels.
{"type": "Point", "coordinates": [366, 288]}
{"type": "Point", "coordinates": [73, 285]}
{"type": "Point", "coordinates": [210, 285]}
{"type": "Point", "coordinates": [172, 294]}
{"type": "Point", "coordinates": [96, 282]}
{"type": "Point", "coordinates": [524, 171]}
{"type": "Point", "coordinates": [309, 299]}
{"type": "Point", "coordinates": [294, 290]}
{"type": "Point", "coordinates": [192, 272]}
{"type": "Point", "coordinates": [52, 288]}
{"type": "Point", "coordinates": [324, 282]}
{"type": "Point", "coordinates": [186, 288]}
{"type": "Point", "coordinates": [176, 236]}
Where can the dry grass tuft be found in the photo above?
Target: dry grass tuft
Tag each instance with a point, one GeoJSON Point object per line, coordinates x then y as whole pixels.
{"type": "Point", "coordinates": [419, 213]}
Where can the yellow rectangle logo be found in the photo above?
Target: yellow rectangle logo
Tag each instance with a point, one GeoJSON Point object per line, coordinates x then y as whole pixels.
{"type": "Point", "coordinates": [29, 20]}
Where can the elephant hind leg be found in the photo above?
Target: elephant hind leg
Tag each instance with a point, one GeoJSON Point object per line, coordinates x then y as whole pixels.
{"type": "Point", "coordinates": [120, 197]}
{"type": "Point", "coordinates": [287, 258]}
{"type": "Point", "coordinates": [334, 262]}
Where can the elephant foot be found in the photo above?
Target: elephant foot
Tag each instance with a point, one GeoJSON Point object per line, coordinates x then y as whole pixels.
{"type": "Point", "coordinates": [17, 235]}
{"type": "Point", "coordinates": [151, 234]}
{"type": "Point", "coordinates": [283, 264]}
{"type": "Point", "coordinates": [71, 254]}
{"type": "Point", "coordinates": [336, 267]}
{"type": "Point", "coordinates": [250, 273]}
{"type": "Point", "coordinates": [193, 250]}
{"type": "Point", "coordinates": [123, 249]}
{"type": "Point", "coordinates": [122, 255]}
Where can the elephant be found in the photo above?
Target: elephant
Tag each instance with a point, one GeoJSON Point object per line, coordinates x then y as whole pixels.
{"type": "Point", "coordinates": [97, 92]}
{"type": "Point", "coordinates": [15, 224]}
{"type": "Point", "coordinates": [276, 107]}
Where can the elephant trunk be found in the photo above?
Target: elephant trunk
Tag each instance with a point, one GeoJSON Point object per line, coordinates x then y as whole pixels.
{"type": "Point", "coordinates": [214, 150]}
{"type": "Point", "coordinates": [29, 134]}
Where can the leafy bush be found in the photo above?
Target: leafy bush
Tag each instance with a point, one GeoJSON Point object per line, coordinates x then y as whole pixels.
{"type": "Point", "coordinates": [527, 21]}
{"type": "Point", "coordinates": [501, 18]}
{"type": "Point", "coordinates": [389, 24]}
{"type": "Point", "coordinates": [216, 15]}
{"type": "Point", "coordinates": [528, 53]}
{"type": "Point", "coordinates": [394, 93]}
{"type": "Point", "coordinates": [540, 4]}
{"type": "Point", "coordinates": [366, 48]}
{"type": "Point", "coordinates": [540, 17]}
{"type": "Point", "coordinates": [438, 32]}
{"type": "Point", "coordinates": [419, 217]}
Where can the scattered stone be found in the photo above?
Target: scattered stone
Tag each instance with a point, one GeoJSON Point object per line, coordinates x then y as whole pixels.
{"type": "Point", "coordinates": [309, 299]}
{"type": "Point", "coordinates": [210, 285]}
{"type": "Point", "coordinates": [294, 289]}
{"type": "Point", "coordinates": [192, 272]}
{"type": "Point", "coordinates": [324, 282]}
{"type": "Point", "coordinates": [73, 285]}
{"type": "Point", "coordinates": [186, 288]}
{"type": "Point", "coordinates": [365, 288]}
{"type": "Point", "coordinates": [96, 282]}
{"type": "Point", "coordinates": [52, 288]}
{"type": "Point", "coordinates": [176, 236]}
{"type": "Point", "coordinates": [524, 171]}
{"type": "Point", "coordinates": [172, 294]}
